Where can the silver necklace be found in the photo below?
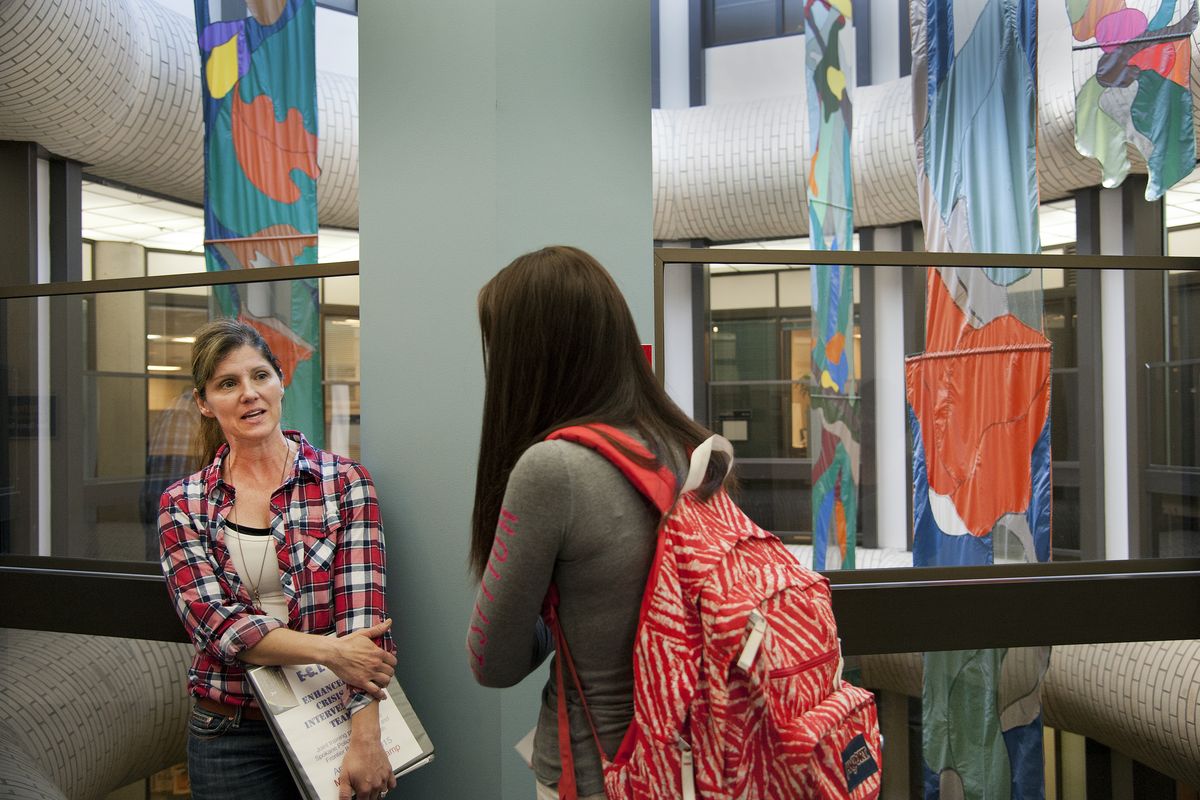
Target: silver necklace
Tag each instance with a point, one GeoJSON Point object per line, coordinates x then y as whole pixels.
{"type": "Point", "coordinates": [262, 566]}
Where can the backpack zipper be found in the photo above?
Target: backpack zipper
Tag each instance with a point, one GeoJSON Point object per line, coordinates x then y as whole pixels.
{"type": "Point", "coordinates": [687, 769]}
{"type": "Point", "coordinates": [815, 661]}
{"type": "Point", "coordinates": [756, 628]}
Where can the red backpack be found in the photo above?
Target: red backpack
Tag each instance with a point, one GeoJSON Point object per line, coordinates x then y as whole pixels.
{"type": "Point", "coordinates": [736, 665]}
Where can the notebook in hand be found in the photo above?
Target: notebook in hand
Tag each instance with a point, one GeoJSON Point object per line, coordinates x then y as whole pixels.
{"type": "Point", "coordinates": [303, 706]}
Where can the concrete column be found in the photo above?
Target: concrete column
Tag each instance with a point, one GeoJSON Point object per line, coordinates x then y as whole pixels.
{"type": "Point", "coordinates": [887, 41]}
{"type": "Point", "coordinates": [1073, 765]}
{"type": "Point", "coordinates": [68, 336]}
{"type": "Point", "coordinates": [882, 50]}
{"type": "Point", "coordinates": [1131, 309]}
{"type": "Point", "coordinates": [41, 346]}
{"type": "Point", "coordinates": [1113, 378]}
{"type": "Point", "coordinates": [1089, 407]}
{"type": "Point", "coordinates": [487, 130]}
{"type": "Point", "coordinates": [21, 474]}
{"type": "Point", "coordinates": [1143, 233]}
{"type": "Point", "coordinates": [679, 334]}
{"type": "Point", "coordinates": [1113, 383]}
{"type": "Point", "coordinates": [893, 725]}
{"type": "Point", "coordinates": [674, 59]}
{"type": "Point", "coordinates": [891, 429]}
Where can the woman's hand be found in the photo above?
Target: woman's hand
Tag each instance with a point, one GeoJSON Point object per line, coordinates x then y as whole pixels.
{"type": "Point", "coordinates": [360, 662]}
{"type": "Point", "coordinates": [365, 769]}
{"type": "Point", "coordinates": [366, 772]}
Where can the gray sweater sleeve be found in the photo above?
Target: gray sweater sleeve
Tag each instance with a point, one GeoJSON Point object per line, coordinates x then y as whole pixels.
{"type": "Point", "coordinates": [507, 639]}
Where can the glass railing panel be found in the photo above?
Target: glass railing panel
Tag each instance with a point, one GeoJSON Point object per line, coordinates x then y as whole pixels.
{"type": "Point", "coordinates": [751, 344]}
{"type": "Point", "coordinates": [1064, 397]}
{"type": "Point", "coordinates": [1174, 426]}
{"type": "Point", "coordinates": [100, 416]}
{"type": "Point", "coordinates": [764, 419]}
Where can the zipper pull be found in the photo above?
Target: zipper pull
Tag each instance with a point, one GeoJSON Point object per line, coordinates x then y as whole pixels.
{"type": "Point", "coordinates": [687, 769]}
{"type": "Point", "coordinates": [756, 627]}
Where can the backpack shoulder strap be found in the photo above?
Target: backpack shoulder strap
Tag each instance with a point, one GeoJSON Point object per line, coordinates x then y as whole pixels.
{"type": "Point", "coordinates": [657, 485]}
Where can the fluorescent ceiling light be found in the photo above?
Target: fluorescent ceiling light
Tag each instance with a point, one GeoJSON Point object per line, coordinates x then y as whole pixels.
{"type": "Point", "coordinates": [161, 368]}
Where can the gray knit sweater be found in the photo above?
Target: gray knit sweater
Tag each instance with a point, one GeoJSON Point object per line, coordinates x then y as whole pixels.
{"type": "Point", "coordinates": [570, 517]}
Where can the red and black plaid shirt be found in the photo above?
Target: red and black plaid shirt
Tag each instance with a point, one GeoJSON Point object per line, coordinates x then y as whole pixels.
{"type": "Point", "coordinates": [329, 542]}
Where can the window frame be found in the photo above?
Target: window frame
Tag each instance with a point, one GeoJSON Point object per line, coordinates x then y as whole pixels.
{"type": "Point", "coordinates": [710, 33]}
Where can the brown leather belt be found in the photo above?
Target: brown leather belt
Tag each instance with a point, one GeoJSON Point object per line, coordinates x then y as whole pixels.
{"type": "Point", "coordinates": [228, 710]}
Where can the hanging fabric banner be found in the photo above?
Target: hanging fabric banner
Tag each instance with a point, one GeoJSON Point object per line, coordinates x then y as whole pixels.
{"type": "Point", "coordinates": [260, 171]}
{"type": "Point", "coordinates": [979, 396]}
{"type": "Point", "coordinates": [1139, 89]}
{"type": "Point", "coordinates": [835, 433]}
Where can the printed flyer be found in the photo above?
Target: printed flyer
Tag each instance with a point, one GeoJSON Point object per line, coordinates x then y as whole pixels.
{"type": "Point", "coordinates": [304, 707]}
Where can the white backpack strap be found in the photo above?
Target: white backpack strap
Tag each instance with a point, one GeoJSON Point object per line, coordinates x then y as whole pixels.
{"type": "Point", "coordinates": [700, 458]}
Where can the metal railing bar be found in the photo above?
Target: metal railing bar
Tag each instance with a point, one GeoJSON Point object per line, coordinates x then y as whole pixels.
{"type": "Point", "coordinates": [921, 575]}
{"type": "Point", "coordinates": [1010, 580]}
{"type": "Point", "coordinates": [897, 615]}
{"type": "Point", "coordinates": [12, 561]}
{"type": "Point", "coordinates": [881, 258]}
{"type": "Point", "coordinates": [1183, 362]}
{"type": "Point", "coordinates": [184, 280]}
{"type": "Point", "coordinates": [181, 375]}
{"type": "Point", "coordinates": [962, 615]}
{"type": "Point", "coordinates": [83, 573]}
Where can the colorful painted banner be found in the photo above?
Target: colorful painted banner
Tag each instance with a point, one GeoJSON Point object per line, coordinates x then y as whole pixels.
{"type": "Point", "coordinates": [1140, 92]}
{"type": "Point", "coordinates": [260, 169]}
{"type": "Point", "coordinates": [835, 433]}
{"type": "Point", "coordinates": [836, 460]}
{"type": "Point", "coordinates": [980, 405]}
{"type": "Point", "coordinates": [979, 396]}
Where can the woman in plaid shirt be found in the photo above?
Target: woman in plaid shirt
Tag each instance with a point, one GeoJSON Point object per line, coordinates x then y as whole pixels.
{"type": "Point", "coordinates": [266, 550]}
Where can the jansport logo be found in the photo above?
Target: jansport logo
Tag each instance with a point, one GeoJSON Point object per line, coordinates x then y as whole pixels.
{"type": "Point", "coordinates": [858, 762]}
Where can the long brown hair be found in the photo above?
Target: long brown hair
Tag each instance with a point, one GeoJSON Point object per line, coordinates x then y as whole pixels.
{"type": "Point", "coordinates": [214, 341]}
{"type": "Point", "coordinates": [560, 348]}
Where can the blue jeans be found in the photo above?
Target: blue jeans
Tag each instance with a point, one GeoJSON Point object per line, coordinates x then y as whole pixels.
{"type": "Point", "coordinates": [234, 757]}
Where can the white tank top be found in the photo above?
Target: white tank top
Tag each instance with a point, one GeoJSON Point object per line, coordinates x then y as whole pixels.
{"type": "Point", "coordinates": [258, 569]}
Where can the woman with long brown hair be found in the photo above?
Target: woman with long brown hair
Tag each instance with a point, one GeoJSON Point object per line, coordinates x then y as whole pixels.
{"type": "Point", "coordinates": [561, 349]}
{"type": "Point", "coordinates": [270, 547]}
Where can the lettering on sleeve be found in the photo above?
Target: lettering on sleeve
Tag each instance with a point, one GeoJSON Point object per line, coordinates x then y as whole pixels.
{"type": "Point", "coordinates": [476, 643]}
{"type": "Point", "coordinates": [499, 550]}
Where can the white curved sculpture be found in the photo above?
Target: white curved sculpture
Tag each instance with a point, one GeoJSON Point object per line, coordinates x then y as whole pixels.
{"type": "Point", "coordinates": [115, 84]}
{"type": "Point", "coordinates": [81, 716]}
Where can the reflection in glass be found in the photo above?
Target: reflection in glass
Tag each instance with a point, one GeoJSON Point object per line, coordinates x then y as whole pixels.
{"type": "Point", "coordinates": [1176, 523]}
{"type": "Point", "coordinates": [759, 390]}
{"type": "Point", "coordinates": [754, 332]}
{"type": "Point", "coordinates": [1066, 519]}
{"type": "Point", "coordinates": [1064, 422]}
{"type": "Point", "coordinates": [341, 348]}
{"type": "Point", "coordinates": [1174, 433]}
{"type": "Point", "coordinates": [743, 20]}
{"type": "Point", "coordinates": [100, 418]}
